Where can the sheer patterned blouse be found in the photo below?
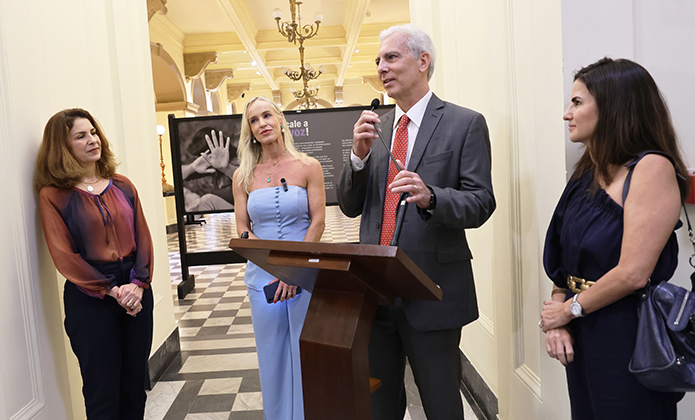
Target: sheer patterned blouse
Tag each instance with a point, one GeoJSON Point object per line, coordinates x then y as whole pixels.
{"type": "Point", "coordinates": [81, 227]}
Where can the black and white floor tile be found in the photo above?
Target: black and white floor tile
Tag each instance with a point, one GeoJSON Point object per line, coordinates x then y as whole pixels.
{"type": "Point", "coordinates": [215, 377]}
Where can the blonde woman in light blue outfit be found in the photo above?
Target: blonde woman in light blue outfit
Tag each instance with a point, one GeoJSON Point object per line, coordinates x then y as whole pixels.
{"type": "Point", "coordinates": [268, 208]}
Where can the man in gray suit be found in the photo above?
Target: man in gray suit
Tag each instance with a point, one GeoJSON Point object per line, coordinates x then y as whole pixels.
{"type": "Point", "coordinates": [446, 151]}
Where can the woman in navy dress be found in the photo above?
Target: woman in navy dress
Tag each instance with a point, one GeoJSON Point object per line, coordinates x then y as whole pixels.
{"type": "Point", "coordinates": [279, 194]}
{"type": "Point", "coordinates": [611, 232]}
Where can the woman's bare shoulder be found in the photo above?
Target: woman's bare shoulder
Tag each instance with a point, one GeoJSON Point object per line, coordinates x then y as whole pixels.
{"type": "Point", "coordinates": [656, 167]}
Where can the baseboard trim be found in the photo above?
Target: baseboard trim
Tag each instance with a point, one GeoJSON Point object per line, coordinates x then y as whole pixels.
{"type": "Point", "coordinates": [162, 358]}
{"type": "Point", "coordinates": [479, 396]}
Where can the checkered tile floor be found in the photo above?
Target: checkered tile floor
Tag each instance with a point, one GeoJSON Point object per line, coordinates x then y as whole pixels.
{"type": "Point", "coordinates": [215, 377]}
{"type": "Point", "coordinates": [218, 229]}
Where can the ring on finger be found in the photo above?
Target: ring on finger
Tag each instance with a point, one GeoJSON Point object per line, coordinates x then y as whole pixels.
{"type": "Point", "coordinates": [540, 323]}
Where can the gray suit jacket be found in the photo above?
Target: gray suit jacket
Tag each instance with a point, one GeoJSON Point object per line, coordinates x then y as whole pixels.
{"type": "Point", "coordinates": [452, 156]}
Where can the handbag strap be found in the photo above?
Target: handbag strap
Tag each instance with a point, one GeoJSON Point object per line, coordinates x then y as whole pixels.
{"type": "Point", "coordinates": [631, 166]}
{"type": "Point", "coordinates": [692, 241]}
{"type": "Point", "coordinates": [626, 189]}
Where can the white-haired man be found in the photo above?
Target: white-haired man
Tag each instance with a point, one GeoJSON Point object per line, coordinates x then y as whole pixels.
{"type": "Point", "coordinates": [446, 151]}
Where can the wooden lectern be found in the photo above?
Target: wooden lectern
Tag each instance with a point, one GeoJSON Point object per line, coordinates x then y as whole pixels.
{"type": "Point", "coordinates": [347, 283]}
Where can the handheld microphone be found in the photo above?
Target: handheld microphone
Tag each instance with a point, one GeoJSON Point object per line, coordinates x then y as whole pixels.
{"type": "Point", "coordinates": [402, 203]}
{"type": "Point", "coordinates": [375, 105]}
{"type": "Point", "coordinates": [284, 184]}
{"type": "Point", "coordinates": [400, 214]}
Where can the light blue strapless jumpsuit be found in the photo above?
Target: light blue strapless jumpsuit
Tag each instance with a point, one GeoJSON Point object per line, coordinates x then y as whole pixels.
{"type": "Point", "coordinates": [278, 215]}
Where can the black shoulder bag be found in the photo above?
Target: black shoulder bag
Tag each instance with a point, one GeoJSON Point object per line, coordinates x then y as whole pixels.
{"type": "Point", "coordinates": [664, 357]}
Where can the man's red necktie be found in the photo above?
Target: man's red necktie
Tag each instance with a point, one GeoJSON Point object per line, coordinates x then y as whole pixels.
{"type": "Point", "coordinates": [400, 151]}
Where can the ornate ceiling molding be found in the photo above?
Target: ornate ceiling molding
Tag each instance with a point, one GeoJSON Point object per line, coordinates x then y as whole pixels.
{"type": "Point", "coordinates": [346, 47]}
{"type": "Point", "coordinates": [374, 82]}
{"type": "Point", "coordinates": [277, 98]}
{"type": "Point", "coordinates": [242, 19]}
{"type": "Point", "coordinates": [169, 85]}
{"type": "Point", "coordinates": [353, 19]}
{"type": "Point", "coordinates": [215, 78]}
{"type": "Point", "coordinates": [338, 94]}
{"type": "Point", "coordinates": [156, 6]}
{"type": "Point", "coordinates": [235, 91]}
{"type": "Point", "coordinates": [196, 63]}
{"type": "Point", "coordinates": [188, 107]}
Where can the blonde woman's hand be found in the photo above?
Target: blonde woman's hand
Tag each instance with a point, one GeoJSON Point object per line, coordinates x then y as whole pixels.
{"type": "Point", "coordinates": [284, 291]}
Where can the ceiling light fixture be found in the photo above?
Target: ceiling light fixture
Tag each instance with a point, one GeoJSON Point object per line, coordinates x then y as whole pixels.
{"type": "Point", "coordinates": [294, 31]}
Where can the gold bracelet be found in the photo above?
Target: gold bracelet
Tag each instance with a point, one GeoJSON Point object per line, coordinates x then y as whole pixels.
{"type": "Point", "coordinates": [564, 291]}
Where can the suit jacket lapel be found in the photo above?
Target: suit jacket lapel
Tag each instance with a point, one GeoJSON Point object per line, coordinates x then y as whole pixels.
{"type": "Point", "coordinates": [430, 119]}
{"type": "Point", "coordinates": [382, 156]}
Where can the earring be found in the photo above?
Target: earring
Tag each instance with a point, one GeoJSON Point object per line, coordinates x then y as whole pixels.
{"type": "Point", "coordinates": [282, 128]}
{"type": "Point", "coordinates": [253, 139]}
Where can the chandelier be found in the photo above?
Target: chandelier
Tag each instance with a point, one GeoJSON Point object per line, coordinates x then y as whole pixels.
{"type": "Point", "coordinates": [296, 32]}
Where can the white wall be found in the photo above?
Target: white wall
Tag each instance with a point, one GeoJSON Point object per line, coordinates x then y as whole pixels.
{"type": "Point", "coordinates": [659, 36]}
{"type": "Point", "coordinates": [504, 58]}
{"type": "Point", "coordinates": [55, 55]}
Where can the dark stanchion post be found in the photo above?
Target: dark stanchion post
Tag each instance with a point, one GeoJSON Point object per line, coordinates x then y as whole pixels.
{"type": "Point", "coordinates": [188, 280]}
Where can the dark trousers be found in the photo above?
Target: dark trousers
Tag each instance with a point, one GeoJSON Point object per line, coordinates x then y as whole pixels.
{"type": "Point", "coordinates": [112, 348]}
{"type": "Point", "coordinates": [600, 385]}
{"type": "Point", "coordinates": [433, 356]}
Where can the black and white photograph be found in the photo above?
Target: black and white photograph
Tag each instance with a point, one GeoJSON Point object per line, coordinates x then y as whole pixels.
{"type": "Point", "coordinates": [208, 152]}
{"type": "Point", "coordinates": [208, 149]}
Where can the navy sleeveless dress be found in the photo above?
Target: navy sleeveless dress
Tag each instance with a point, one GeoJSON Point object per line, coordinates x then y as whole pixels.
{"type": "Point", "coordinates": [584, 240]}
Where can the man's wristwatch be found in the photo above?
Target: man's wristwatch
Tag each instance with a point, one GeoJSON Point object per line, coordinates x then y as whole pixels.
{"type": "Point", "coordinates": [433, 199]}
{"type": "Point", "coordinates": [576, 307]}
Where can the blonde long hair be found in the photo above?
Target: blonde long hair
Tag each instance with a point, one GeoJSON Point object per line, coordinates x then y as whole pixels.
{"type": "Point", "coordinates": [251, 154]}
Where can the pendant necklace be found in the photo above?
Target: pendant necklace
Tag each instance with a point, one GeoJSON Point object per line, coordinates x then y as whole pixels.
{"type": "Point", "coordinates": [275, 167]}
{"type": "Point", "coordinates": [89, 184]}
